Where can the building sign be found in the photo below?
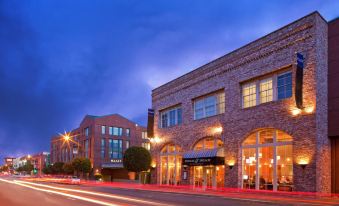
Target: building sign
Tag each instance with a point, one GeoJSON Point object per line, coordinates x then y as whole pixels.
{"type": "Point", "coordinates": [203, 161]}
{"type": "Point", "coordinates": [150, 123]}
{"type": "Point", "coordinates": [299, 81]}
{"type": "Point", "coordinates": [116, 160]}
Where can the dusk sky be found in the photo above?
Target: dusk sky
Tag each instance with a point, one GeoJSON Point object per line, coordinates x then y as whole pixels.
{"type": "Point", "coordinates": [61, 60]}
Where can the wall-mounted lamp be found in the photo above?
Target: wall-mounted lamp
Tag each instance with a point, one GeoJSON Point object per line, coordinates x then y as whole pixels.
{"type": "Point", "coordinates": [303, 166]}
{"type": "Point", "coordinates": [231, 164]}
{"type": "Point", "coordinates": [217, 129]}
{"type": "Point", "coordinates": [155, 140]}
{"type": "Point", "coordinates": [303, 163]}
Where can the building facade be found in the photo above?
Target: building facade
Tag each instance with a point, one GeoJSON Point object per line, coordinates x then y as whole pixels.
{"type": "Point", "coordinates": [102, 139]}
{"type": "Point", "coordinates": [40, 161]}
{"type": "Point", "coordinates": [333, 98]}
{"type": "Point", "coordinates": [252, 119]}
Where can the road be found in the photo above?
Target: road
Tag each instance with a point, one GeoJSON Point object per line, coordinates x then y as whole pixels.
{"type": "Point", "coordinates": [21, 193]}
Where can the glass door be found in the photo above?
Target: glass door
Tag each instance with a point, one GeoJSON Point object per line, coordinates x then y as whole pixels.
{"type": "Point", "coordinates": [209, 177]}
{"type": "Point", "coordinates": [198, 176]}
{"type": "Point", "coordinates": [266, 165]}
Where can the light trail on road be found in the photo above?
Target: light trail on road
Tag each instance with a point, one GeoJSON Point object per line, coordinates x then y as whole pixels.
{"type": "Point", "coordinates": [118, 197]}
{"type": "Point", "coordinates": [63, 194]}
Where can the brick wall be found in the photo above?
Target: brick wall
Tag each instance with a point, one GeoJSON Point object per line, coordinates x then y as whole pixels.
{"type": "Point", "coordinates": [271, 53]}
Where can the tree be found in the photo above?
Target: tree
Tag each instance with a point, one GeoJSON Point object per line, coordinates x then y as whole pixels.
{"type": "Point", "coordinates": [68, 168]}
{"type": "Point", "coordinates": [137, 159]}
{"type": "Point", "coordinates": [48, 170]}
{"type": "Point", "coordinates": [81, 165]}
{"type": "Point", "coordinates": [28, 167]}
{"type": "Point", "coordinates": [57, 168]}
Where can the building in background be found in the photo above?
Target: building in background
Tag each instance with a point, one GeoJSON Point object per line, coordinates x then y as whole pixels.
{"type": "Point", "coordinates": [39, 162]}
{"type": "Point", "coordinates": [255, 118]}
{"type": "Point", "coordinates": [102, 139]}
{"type": "Point", "coordinates": [9, 163]}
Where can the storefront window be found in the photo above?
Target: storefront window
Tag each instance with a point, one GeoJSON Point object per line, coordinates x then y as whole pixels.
{"type": "Point", "coordinates": [208, 143]}
{"type": "Point", "coordinates": [171, 164]}
{"type": "Point", "coordinates": [267, 162]}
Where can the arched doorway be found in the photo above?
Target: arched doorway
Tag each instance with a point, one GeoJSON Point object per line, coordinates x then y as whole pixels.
{"type": "Point", "coordinates": [170, 159]}
{"type": "Point", "coordinates": [267, 161]}
{"type": "Point", "coordinates": [210, 170]}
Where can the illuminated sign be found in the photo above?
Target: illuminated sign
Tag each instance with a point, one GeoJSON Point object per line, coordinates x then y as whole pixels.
{"type": "Point", "coordinates": [116, 160]}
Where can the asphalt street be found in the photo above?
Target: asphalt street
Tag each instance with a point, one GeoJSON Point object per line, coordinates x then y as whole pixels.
{"type": "Point", "coordinates": [21, 193]}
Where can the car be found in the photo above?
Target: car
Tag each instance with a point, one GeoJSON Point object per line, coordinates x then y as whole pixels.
{"type": "Point", "coordinates": [75, 180]}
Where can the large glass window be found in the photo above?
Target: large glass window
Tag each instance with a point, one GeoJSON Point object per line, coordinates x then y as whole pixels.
{"type": "Point", "coordinates": [103, 129]}
{"type": "Point", "coordinates": [209, 105]}
{"type": "Point", "coordinates": [284, 85]}
{"type": "Point", "coordinates": [87, 131]}
{"type": "Point", "coordinates": [117, 131]}
{"type": "Point", "coordinates": [103, 148]}
{"type": "Point", "coordinates": [86, 148]}
{"type": "Point", "coordinates": [262, 90]}
{"type": "Point", "coordinates": [249, 95]}
{"type": "Point", "coordinates": [171, 159]}
{"type": "Point", "coordinates": [267, 162]}
{"type": "Point", "coordinates": [128, 132]}
{"type": "Point", "coordinates": [170, 117]}
{"type": "Point", "coordinates": [144, 135]}
{"type": "Point", "coordinates": [116, 148]}
{"type": "Point", "coordinates": [266, 90]}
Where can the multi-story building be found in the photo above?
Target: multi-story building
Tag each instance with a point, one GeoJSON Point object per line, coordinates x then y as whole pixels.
{"type": "Point", "coordinates": [21, 161]}
{"type": "Point", "coordinates": [333, 98]}
{"type": "Point", "coordinates": [102, 139]}
{"type": "Point", "coordinates": [256, 118]}
{"type": "Point", "coordinates": [40, 161]}
{"type": "Point", "coordinates": [9, 163]}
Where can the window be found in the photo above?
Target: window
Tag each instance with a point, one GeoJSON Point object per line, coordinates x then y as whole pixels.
{"type": "Point", "coordinates": [266, 90]}
{"type": "Point", "coordinates": [117, 131]}
{"type": "Point", "coordinates": [127, 144]}
{"type": "Point", "coordinates": [110, 130]}
{"type": "Point", "coordinates": [284, 85]}
{"type": "Point", "coordinates": [128, 132]}
{"type": "Point", "coordinates": [103, 148]}
{"type": "Point", "coordinates": [86, 148]}
{"type": "Point", "coordinates": [262, 91]}
{"type": "Point", "coordinates": [146, 145]}
{"type": "Point", "coordinates": [170, 168]}
{"type": "Point", "coordinates": [103, 129]}
{"type": "Point", "coordinates": [116, 149]}
{"type": "Point", "coordinates": [87, 131]}
{"type": "Point", "coordinates": [170, 117]}
{"type": "Point", "coordinates": [144, 135]}
{"type": "Point", "coordinates": [249, 95]}
{"type": "Point", "coordinates": [267, 161]}
{"type": "Point", "coordinates": [209, 105]}
{"type": "Point", "coordinates": [208, 143]}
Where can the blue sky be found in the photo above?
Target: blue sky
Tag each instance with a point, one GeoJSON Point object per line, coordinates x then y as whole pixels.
{"type": "Point", "coordinates": [61, 60]}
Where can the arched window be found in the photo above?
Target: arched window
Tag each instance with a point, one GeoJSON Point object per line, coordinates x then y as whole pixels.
{"type": "Point", "coordinates": [267, 161]}
{"type": "Point", "coordinates": [208, 143]}
{"type": "Point", "coordinates": [171, 159]}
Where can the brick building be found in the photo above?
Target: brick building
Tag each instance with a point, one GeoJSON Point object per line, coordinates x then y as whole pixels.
{"type": "Point", "coordinates": [40, 161]}
{"type": "Point", "coordinates": [333, 98]}
{"type": "Point", "coordinates": [250, 119]}
{"type": "Point", "coordinates": [102, 139]}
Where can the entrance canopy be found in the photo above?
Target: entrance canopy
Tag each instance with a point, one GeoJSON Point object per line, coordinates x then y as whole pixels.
{"type": "Point", "coordinates": [204, 157]}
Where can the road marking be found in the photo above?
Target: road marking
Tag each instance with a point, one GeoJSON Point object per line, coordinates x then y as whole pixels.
{"type": "Point", "coordinates": [61, 193]}
{"type": "Point", "coordinates": [96, 194]}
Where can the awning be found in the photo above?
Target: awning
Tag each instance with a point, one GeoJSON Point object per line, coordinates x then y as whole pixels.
{"type": "Point", "coordinates": [112, 165]}
{"type": "Point", "coordinates": [204, 157]}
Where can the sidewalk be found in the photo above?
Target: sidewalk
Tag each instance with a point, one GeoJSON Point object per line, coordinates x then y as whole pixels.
{"type": "Point", "coordinates": [234, 193]}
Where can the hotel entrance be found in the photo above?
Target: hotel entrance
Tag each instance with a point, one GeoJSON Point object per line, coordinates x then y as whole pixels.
{"type": "Point", "coordinates": [209, 176]}
{"type": "Point", "coordinates": [206, 163]}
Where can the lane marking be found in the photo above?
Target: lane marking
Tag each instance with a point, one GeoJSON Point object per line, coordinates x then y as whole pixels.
{"type": "Point", "coordinates": [63, 194]}
{"type": "Point", "coordinates": [95, 193]}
